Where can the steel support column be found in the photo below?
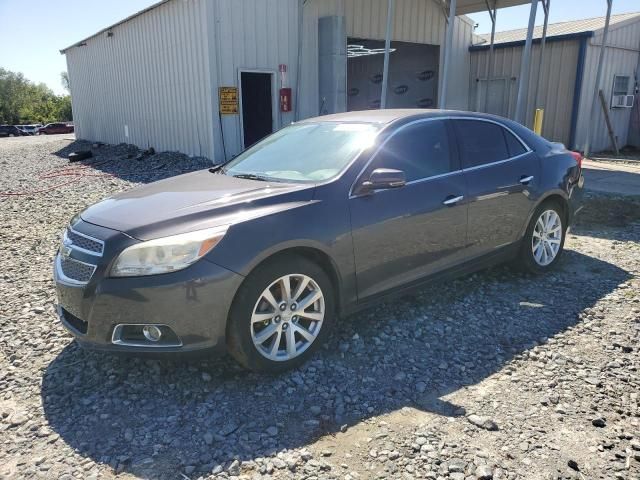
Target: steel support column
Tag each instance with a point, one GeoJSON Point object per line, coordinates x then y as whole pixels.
{"type": "Point", "coordinates": [525, 67]}
{"type": "Point", "coordinates": [387, 47]}
{"type": "Point", "coordinates": [447, 54]}
{"type": "Point", "coordinates": [596, 90]}
{"type": "Point", "coordinates": [492, 14]}
{"type": "Point", "coordinates": [545, 5]}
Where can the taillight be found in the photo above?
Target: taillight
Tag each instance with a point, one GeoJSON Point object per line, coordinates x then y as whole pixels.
{"type": "Point", "coordinates": [578, 158]}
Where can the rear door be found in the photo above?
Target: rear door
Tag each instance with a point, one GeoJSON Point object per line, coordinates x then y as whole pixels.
{"type": "Point", "coordinates": [500, 171]}
{"type": "Point", "coordinates": [403, 234]}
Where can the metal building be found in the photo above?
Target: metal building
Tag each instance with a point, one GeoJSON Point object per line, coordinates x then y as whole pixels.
{"type": "Point", "coordinates": [204, 77]}
{"type": "Point", "coordinates": [565, 87]}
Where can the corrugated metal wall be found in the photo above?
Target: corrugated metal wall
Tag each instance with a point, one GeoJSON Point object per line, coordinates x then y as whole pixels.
{"type": "Point", "coordinates": [419, 21]}
{"type": "Point", "coordinates": [160, 71]}
{"type": "Point", "coordinates": [634, 123]}
{"type": "Point", "coordinates": [259, 35]}
{"type": "Point", "coordinates": [555, 91]}
{"type": "Point", "coordinates": [621, 58]}
{"type": "Point", "coordinates": [153, 75]}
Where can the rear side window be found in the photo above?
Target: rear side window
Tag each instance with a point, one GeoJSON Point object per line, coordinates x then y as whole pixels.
{"type": "Point", "coordinates": [513, 144]}
{"type": "Point", "coordinates": [420, 150]}
{"type": "Point", "coordinates": [480, 142]}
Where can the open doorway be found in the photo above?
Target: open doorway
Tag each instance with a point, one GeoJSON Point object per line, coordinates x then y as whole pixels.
{"type": "Point", "coordinates": [256, 95]}
{"type": "Point", "coordinates": [413, 74]}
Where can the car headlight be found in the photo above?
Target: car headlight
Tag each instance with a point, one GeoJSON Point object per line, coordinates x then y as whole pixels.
{"type": "Point", "coordinates": [167, 254]}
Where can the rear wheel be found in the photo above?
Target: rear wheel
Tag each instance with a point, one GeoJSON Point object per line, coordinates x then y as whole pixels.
{"type": "Point", "coordinates": [543, 242]}
{"type": "Point", "coordinates": [281, 314]}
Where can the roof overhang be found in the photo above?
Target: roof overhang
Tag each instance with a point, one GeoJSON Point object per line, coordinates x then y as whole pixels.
{"type": "Point", "coordinates": [464, 7]}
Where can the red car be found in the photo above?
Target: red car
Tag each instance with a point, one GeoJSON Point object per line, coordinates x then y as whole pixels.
{"type": "Point", "coordinates": [53, 128]}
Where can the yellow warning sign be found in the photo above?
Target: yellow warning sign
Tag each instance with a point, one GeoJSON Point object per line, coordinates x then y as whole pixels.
{"type": "Point", "coordinates": [228, 100]}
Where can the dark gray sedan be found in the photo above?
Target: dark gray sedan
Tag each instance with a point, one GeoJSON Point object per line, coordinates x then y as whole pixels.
{"type": "Point", "coordinates": [261, 256]}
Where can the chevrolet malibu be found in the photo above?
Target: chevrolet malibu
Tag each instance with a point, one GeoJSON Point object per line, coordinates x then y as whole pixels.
{"type": "Point", "coordinates": [260, 256]}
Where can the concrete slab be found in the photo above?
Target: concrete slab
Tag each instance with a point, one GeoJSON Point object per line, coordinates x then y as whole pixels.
{"type": "Point", "coordinates": [618, 178]}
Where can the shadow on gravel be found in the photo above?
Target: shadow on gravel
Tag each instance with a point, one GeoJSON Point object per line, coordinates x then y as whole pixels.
{"type": "Point", "coordinates": [606, 216]}
{"type": "Point", "coordinates": [128, 162]}
{"type": "Point", "coordinates": [160, 419]}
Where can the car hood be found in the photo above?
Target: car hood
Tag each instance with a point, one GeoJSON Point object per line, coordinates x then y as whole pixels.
{"type": "Point", "coordinates": [193, 201]}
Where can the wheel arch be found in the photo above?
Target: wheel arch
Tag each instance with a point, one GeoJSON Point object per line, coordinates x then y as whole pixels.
{"type": "Point", "coordinates": [561, 199]}
{"type": "Point", "coordinates": [555, 195]}
{"type": "Point", "coordinates": [312, 253]}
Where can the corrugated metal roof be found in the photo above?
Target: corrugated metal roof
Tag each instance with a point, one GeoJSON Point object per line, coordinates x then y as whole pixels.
{"type": "Point", "coordinates": [561, 28]}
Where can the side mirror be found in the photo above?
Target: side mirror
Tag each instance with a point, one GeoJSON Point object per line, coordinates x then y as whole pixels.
{"type": "Point", "coordinates": [383, 178]}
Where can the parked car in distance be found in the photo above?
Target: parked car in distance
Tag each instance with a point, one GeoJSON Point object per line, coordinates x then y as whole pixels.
{"type": "Point", "coordinates": [260, 256]}
{"type": "Point", "coordinates": [54, 128]}
{"type": "Point", "coordinates": [29, 129]}
{"type": "Point", "coordinates": [11, 131]}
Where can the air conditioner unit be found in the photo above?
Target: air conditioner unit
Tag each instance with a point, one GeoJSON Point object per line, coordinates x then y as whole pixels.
{"type": "Point", "coordinates": [622, 101]}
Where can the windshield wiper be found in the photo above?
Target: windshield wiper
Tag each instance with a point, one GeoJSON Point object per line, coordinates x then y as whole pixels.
{"type": "Point", "coordinates": [250, 176]}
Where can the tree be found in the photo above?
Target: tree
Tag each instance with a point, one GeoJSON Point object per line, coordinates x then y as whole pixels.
{"type": "Point", "coordinates": [24, 102]}
{"type": "Point", "coordinates": [64, 79]}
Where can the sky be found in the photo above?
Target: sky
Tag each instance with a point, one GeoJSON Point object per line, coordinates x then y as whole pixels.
{"type": "Point", "coordinates": [33, 32]}
{"type": "Point", "coordinates": [560, 11]}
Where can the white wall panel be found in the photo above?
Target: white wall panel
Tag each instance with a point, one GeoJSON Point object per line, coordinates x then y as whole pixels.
{"type": "Point", "coordinates": [153, 75]}
{"type": "Point", "coordinates": [255, 34]}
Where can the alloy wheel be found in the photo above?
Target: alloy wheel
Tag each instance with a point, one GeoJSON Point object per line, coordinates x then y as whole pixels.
{"type": "Point", "coordinates": [546, 238]}
{"type": "Point", "coordinates": [287, 317]}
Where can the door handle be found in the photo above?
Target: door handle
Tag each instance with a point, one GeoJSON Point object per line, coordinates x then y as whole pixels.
{"type": "Point", "coordinates": [451, 200]}
{"type": "Point", "coordinates": [526, 180]}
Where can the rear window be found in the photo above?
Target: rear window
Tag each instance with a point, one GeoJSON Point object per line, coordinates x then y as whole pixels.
{"type": "Point", "coordinates": [480, 142]}
{"type": "Point", "coordinates": [514, 145]}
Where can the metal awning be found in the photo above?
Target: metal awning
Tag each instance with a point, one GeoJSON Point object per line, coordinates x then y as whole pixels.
{"type": "Point", "coordinates": [465, 7]}
{"type": "Point", "coordinates": [453, 8]}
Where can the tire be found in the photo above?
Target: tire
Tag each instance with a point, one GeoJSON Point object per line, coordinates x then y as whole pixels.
{"type": "Point", "coordinates": [80, 155]}
{"type": "Point", "coordinates": [544, 258]}
{"type": "Point", "coordinates": [244, 340]}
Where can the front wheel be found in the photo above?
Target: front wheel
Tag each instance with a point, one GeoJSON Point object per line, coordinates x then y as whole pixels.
{"type": "Point", "coordinates": [543, 242]}
{"type": "Point", "coordinates": [281, 314]}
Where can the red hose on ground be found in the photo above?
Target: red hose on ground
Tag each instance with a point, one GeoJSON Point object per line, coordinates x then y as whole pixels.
{"type": "Point", "coordinates": [72, 171]}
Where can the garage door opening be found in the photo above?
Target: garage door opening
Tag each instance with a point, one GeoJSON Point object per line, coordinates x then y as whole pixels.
{"type": "Point", "coordinates": [413, 74]}
{"type": "Point", "coordinates": [257, 106]}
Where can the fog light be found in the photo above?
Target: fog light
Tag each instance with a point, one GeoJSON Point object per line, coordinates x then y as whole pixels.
{"type": "Point", "coordinates": [151, 333]}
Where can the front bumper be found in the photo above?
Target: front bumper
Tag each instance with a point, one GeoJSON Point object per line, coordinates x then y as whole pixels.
{"type": "Point", "coordinates": [194, 303]}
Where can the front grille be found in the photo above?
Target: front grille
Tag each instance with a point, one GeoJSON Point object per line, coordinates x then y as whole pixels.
{"type": "Point", "coordinates": [75, 239]}
{"type": "Point", "coordinates": [74, 322]}
{"type": "Point", "coordinates": [76, 270]}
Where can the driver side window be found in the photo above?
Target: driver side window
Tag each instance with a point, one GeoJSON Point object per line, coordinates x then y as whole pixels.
{"type": "Point", "coordinates": [420, 150]}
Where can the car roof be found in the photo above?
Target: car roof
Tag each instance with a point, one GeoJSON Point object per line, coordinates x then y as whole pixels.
{"type": "Point", "coordinates": [386, 116]}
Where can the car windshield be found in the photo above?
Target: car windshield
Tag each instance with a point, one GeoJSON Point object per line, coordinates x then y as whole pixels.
{"type": "Point", "coordinates": [306, 152]}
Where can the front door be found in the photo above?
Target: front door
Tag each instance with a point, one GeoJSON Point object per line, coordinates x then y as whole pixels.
{"type": "Point", "coordinates": [403, 234]}
{"type": "Point", "coordinates": [500, 172]}
{"type": "Point", "coordinates": [257, 106]}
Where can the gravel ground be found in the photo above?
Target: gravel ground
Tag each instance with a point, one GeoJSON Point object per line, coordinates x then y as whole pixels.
{"type": "Point", "coordinates": [495, 375]}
